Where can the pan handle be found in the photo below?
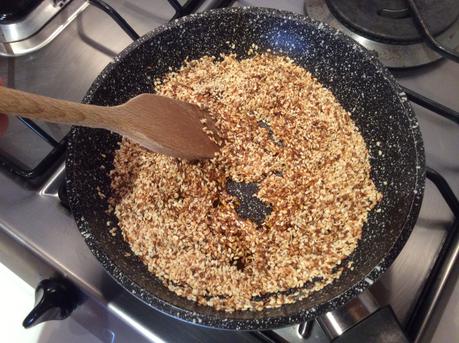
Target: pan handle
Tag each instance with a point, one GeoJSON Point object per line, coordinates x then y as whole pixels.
{"type": "Point", "coordinates": [380, 327]}
{"type": "Point", "coordinates": [362, 320]}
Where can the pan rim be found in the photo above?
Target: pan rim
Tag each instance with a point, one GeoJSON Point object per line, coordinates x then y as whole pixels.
{"type": "Point", "coordinates": [268, 322]}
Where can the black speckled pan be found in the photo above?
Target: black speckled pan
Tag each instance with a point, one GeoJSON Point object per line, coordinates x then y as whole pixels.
{"type": "Point", "coordinates": [358, 80]}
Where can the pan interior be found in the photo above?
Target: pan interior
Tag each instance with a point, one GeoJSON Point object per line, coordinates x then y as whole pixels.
{"type": "Point", "coordinates": [361, 85]}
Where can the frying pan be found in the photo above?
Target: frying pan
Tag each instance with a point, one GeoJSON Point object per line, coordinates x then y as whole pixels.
{"type": "Point", "coordinates": [362, 85]}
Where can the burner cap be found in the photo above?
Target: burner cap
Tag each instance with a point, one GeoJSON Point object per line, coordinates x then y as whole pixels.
{"type": "Point", "coordinates": [389, 20]}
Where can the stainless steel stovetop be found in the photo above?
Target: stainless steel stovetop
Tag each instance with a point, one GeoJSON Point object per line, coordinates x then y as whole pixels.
{"type": "Point", "coordinates": [38, 236]}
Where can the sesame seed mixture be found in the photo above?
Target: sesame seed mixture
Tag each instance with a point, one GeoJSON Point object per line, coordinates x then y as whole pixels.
{"type": "Point", "coordinates": [302, 195]}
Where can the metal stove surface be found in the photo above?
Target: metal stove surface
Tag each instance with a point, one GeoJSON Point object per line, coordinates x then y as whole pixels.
{"type": "Point", "coordinates": [39, 237]}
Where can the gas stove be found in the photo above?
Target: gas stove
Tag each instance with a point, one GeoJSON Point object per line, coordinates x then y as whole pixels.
{"type": "Point", "coordinates": [39, 239]}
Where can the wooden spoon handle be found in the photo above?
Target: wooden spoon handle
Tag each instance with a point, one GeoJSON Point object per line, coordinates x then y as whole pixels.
{"type": "Point", "coordinates": [53, 110]}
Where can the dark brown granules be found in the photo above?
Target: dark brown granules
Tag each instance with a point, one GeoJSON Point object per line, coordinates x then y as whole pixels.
{"type": "Point", "coordinates": [286, 134]}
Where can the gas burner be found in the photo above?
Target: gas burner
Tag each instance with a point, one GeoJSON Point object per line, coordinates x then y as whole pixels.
{"type": "Point", "coordinates": [30, 25]}
{"type": "Point", "coordinates": [386, 27]}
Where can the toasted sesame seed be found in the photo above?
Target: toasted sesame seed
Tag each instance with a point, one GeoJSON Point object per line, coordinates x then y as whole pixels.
{"type": "Point", "coordinates": [308, 159]}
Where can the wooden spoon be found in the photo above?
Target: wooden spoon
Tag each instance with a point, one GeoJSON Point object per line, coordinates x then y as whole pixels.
{"type": "Point", "coordinates": [159, 123]}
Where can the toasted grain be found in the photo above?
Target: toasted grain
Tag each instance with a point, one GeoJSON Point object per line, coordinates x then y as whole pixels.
{"type": "Point", "coordinates": [311, 165]}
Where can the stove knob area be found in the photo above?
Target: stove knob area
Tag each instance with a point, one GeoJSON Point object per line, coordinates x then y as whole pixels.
{"type": "Point", "coordinates": [55, 299]}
